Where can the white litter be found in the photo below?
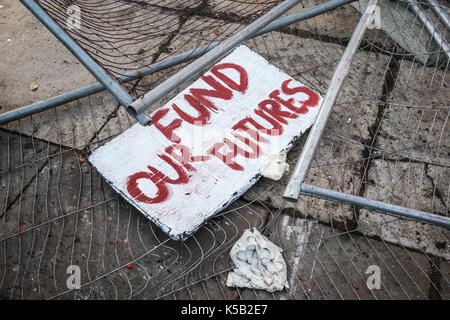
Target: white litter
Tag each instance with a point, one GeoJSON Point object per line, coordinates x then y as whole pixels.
{"type": "Point", "coordinates": [402, 26]}
{"type": "Point", "coordinates": [274, 166]}
{"type": "Point", "coordinates": [259, 264]}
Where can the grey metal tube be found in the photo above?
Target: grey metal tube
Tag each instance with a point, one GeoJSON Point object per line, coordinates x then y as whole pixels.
{"type": "Point", "coordinates": [377, 205]}
{"type": "Point", "coordinates": [292, 191]}
{"type": "Point", "coordinates": [169, 62]}
{"type": "Point", "coordinates": [98, 87]}
{"type": "Point", "coordinates": [97, 71]}
{"type": "Point", "coordinates": [442, 15]}
{"type": "Point", "coordinates": [49, 103]}
{"type": "Point", "coordinates": [139, 106]}
{"type": "Point", "coordinates": [429, 26]}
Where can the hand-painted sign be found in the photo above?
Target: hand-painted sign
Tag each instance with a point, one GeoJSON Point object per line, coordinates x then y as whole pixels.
{"type": "Point", "coordinates": [205, 147]}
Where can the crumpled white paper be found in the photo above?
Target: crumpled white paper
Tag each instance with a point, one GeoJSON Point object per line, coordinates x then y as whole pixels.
{"type": "Point", "coordinates": [259, 263]}
{"type": "Point", "coordinates": [274, 166]}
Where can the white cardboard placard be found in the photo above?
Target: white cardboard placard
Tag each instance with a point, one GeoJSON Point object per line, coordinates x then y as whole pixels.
{"type": "Point", "coordinates": [204, 148]}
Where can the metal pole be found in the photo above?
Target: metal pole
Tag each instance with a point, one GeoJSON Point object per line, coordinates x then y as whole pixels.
{"type": "Point", "coordinates": [292, 191]}
{"type": "Point", "coordinates": [139, 106]}
{"type": "Point", "coordinates": [377, 205]}
{"type": "Point", "coordinates": [442, 15]}
{"type": "Point", "coordinates": [169, 62]}
{"type": "Point", "coordinates": [429, 26]}
{"type": "Point", "coordinates": [97, 71]}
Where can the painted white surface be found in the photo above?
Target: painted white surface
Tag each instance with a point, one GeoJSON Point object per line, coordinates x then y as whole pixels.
{"type": "Point", "coordinates": [258, 264]}
{"type": "Point", "coordinates": [212, 184]}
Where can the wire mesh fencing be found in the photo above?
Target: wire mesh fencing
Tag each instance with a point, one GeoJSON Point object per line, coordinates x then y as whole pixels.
{"type": "Point", "coordinates": [387, 140]}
